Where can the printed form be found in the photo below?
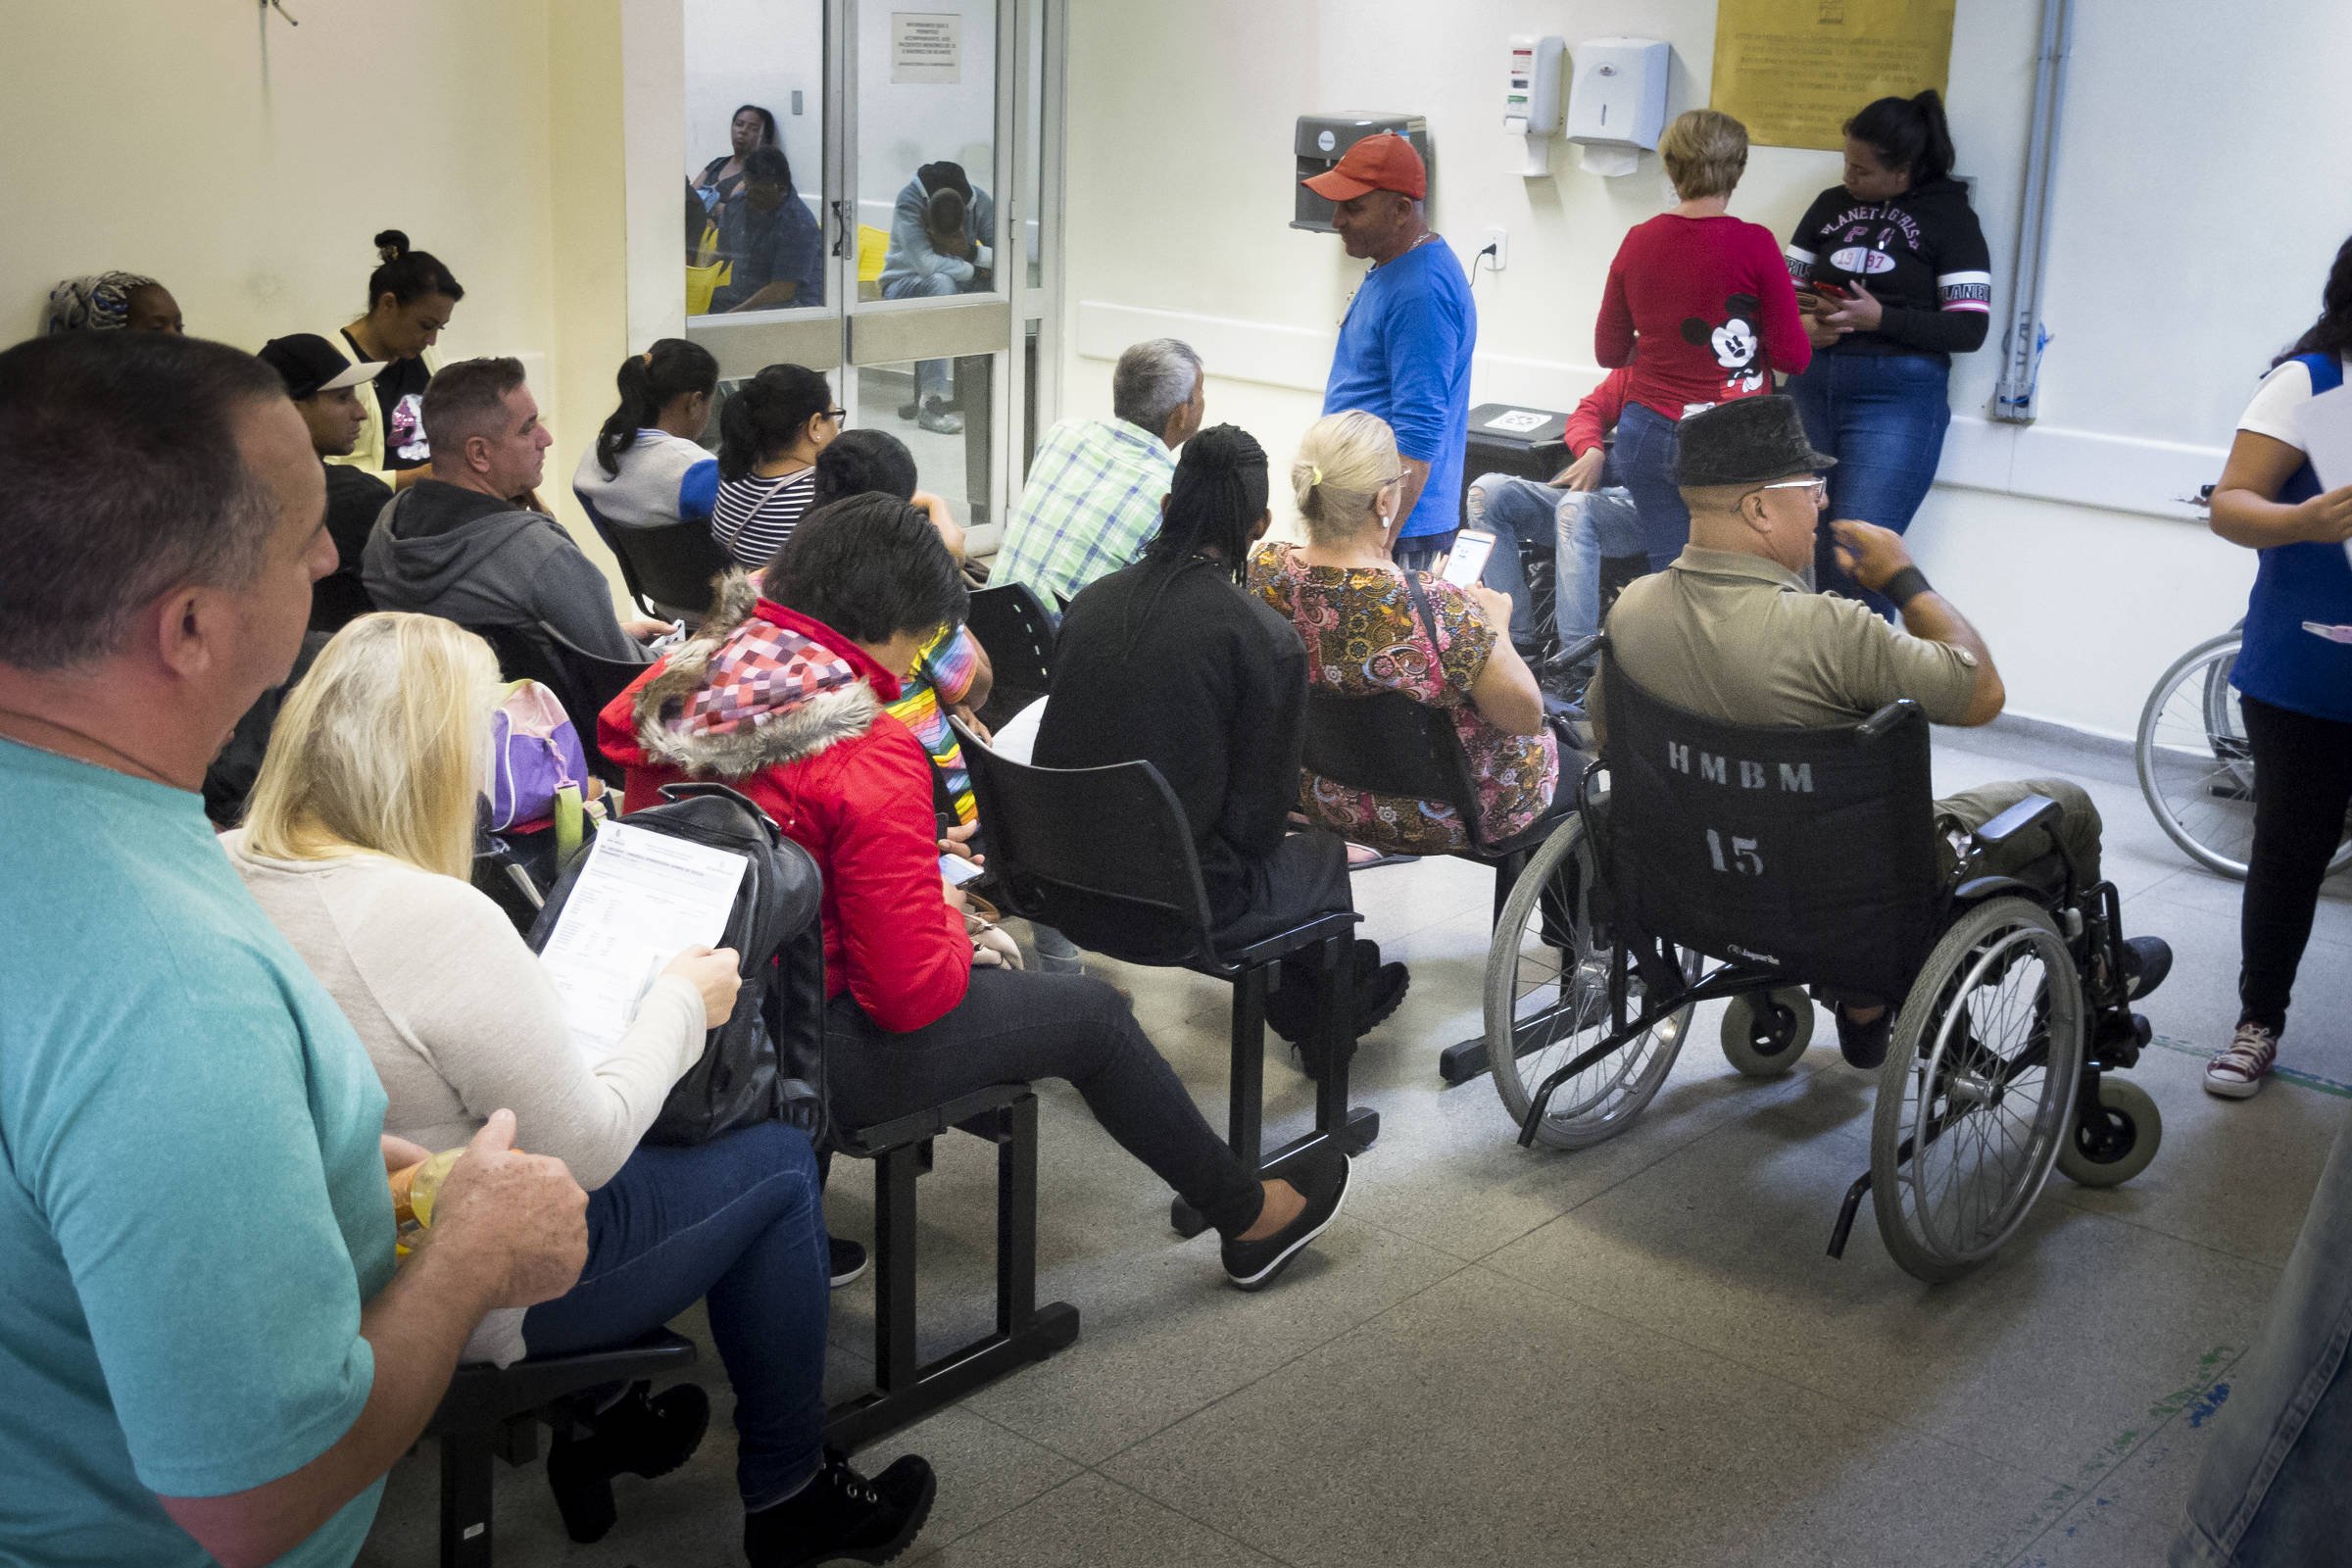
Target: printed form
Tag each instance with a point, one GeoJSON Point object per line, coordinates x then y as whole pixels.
{"type": "Point", "coordinates": [641, 899]}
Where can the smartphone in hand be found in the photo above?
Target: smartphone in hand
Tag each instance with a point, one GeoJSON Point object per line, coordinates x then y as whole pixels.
{"type": "Point", "coordinates": [1468, 562]}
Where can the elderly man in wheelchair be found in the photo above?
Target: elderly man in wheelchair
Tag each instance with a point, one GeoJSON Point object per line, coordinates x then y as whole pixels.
{"type": "Point", "coordinates": [1767, 805]}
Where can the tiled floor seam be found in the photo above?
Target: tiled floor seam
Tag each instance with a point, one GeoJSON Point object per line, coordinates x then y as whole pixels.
{"type": "Point", "coordinates": [2186, 1241]}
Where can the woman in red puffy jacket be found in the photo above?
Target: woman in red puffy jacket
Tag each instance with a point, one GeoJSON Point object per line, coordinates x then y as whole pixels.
{"type": "Point", "coordinates": [781, 694]}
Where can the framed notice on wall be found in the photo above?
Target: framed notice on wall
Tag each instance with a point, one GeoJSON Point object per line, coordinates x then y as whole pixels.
{"type": "Point", "coordinates": [1794, 72]}
{"type": "Point", "coordinates": [926, 46]}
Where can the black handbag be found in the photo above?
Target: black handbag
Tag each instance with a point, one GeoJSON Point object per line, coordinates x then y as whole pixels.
{"type": "Point", "coordinates": [767, 1061]}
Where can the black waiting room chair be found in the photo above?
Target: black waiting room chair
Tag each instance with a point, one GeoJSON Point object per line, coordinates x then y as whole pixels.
{"type": "Point", "coordinates": [671, 570]}
{"type": "Point", "coordinates": [1013, 629]}
{"type": "Point", "coordinates": [1391, 745]}
{"type": "Point", "coordinates": [1112, 843]}
{"type": "Point", "coordinates": [495, 1412]}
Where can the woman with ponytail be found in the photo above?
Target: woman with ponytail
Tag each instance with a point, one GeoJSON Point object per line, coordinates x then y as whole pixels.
{"type": "Point", "coordinates": [1370, 626]}
{"type": "Point", "coordinates": [1169, 662]}
{"type": "Point", "coordinates": [1894, 278]}
{"type": "Point", "coordinates": [648, 469]}
{"type": "Point", "coordinates": [411, 297]}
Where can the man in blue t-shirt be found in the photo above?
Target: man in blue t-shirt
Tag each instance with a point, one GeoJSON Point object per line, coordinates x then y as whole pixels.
{"type": "Point", "coordinates": [1404, 349]}
{"type": "Point", "coordinates": [207, 1351]}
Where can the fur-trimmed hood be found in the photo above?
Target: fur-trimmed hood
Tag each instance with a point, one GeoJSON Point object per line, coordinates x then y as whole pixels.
{"type": "Point", "coordinates": [758, 686]}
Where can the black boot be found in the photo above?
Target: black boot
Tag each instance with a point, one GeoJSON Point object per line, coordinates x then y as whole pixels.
{"type": "Point", "coordinates": [640, 1435]}
{"type": "Point", "coordinates": [839, 1514]}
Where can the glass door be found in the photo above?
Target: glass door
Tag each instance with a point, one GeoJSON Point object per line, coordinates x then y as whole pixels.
{"type": "Point", "coordinates": [898, 235]}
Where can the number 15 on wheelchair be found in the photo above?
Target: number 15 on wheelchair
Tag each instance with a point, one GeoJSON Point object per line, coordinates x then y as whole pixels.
{"type": "Point", "coordinates": [1740, 864]}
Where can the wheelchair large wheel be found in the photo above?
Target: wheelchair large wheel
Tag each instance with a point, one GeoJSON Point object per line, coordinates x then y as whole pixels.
{"type": "Point", "coordinates": [2195, 767]}
{"type": "Point", "coordinates": [1548, 1001]}
{"type": "Point", "coordinates": [1977, 1094]}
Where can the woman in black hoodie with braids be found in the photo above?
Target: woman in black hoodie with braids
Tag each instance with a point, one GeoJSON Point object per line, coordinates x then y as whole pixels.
{"type": "Point", "coordinates": [1169, 662]}
{"type": "Point", "coordinates": [1894, 278]}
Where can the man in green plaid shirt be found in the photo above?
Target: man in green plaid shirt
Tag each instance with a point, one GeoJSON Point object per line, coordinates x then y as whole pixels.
{"type": "Point", "coordinates": [1096, 485]}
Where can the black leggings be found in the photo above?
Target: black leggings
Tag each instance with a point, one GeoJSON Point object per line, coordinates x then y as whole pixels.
{"type": "Point", "coordinates": [2303, 783]}
{"type": "Point", "coordinates": [1016, 1027]}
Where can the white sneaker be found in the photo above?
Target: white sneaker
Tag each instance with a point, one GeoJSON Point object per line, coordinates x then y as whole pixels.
{"type": "Point", "coordinates": [2237, 1072]}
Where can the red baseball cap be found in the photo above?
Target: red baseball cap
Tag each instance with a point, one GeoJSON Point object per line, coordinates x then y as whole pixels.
{"type": "Point", "coordinates": [1386, 162]}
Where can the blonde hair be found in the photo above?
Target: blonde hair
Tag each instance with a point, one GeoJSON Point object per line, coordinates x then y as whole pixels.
{"type": "Point", "coordinates": [1344, 462]}
{"type": "Point", "coordinates": [1705, 152]}
{"type": "Point", "coordinates": [379, 748]}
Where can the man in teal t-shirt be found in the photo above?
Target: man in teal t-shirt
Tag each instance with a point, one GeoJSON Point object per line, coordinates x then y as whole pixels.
{"type": "Point", "coordinates": [205, 1348]}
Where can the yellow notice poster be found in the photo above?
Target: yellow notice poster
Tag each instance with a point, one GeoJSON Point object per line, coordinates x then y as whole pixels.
{"type": "Point", "coordinates": [1795, 71]}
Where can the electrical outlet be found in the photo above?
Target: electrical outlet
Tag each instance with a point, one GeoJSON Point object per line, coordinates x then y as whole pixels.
{"type": "Point", "coordinates": [1499, 241]}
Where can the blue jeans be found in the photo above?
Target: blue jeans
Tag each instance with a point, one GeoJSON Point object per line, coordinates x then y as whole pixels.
{"type": "Point", "coordinates": [736, 1220]}
{"type": "Point", "coordinates": [1644, 461]}
{"type": "Point", "coordinates": [2271, 1493]}
{"type": "Point", "coordinates": [933, 378]}
{"type": "Point", "coordinates": [1882, 417]}
{"type": "Point", "coordinates": [1577, 527]}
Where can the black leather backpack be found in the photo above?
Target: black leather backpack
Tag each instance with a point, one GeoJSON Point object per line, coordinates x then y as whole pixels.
{"type": "Point", "coordinates": [767, 1061]}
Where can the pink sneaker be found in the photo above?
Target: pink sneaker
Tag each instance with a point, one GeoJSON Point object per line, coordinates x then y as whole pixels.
{"type": "Point", "coordinates": [2237, 1072]}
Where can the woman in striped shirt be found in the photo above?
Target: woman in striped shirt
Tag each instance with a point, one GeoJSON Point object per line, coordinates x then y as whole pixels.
{"type": "Point", "coordinates": [769, 434]}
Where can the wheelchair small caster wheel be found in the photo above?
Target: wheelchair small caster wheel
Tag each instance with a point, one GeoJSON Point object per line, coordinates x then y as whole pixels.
{"type": "Point", "coordinates": [1764, 1034]}
{"type": "Point", "coordinates": [2115, 1140]}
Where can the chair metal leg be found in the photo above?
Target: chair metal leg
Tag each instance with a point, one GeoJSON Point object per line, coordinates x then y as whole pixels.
{"type": "Point", "coordinates": [466, 1489]}
{"type": "Point", "coordinates": [1017, 1216]}
{"type": "Point", "coordinates": [904, 1390]}
{"type": "Point", "coordinates": [1246, 1100]}
{"type": "Point", "coordinates": [895, 1174]}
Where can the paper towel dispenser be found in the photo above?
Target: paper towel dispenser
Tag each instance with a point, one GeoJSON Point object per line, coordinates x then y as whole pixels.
{"type": "Point", "coordinates": [1617, 101]}
{"type": "Point", "coordinates": [1322, 139]}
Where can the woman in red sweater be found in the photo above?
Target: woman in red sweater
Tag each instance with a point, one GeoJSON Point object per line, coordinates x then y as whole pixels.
{"type": "Point", "coordinates": [781, 694]}
{"type": "Point", "coordinates": [1700, 305]}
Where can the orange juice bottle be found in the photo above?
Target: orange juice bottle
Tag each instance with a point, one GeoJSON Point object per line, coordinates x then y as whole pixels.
{"type": "Point", "coordinates": [414, 1189]}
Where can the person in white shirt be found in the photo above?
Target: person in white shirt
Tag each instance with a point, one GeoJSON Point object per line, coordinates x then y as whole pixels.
{"type": "Point", "coordinates": [358, 848]}
{"type": "Point", "coordinates": [649, 468]}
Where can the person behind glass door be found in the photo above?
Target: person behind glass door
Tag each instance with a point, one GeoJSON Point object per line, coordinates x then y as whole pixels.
{"type": "Point", "coordinates": [102, 302]}
{"type": "Point", "coordinates": [1700, 305]}
{"type": "Point", "coordinates": [774, 247]}
{"type": "Point", "coordinates": [1900, 240]}
{"type": "Point", "coordinates": [770, 435]}
{"type": "Point", "coordinates": [2293, 675]}
{"type": "Point", "coordinates": [1404, 348]}
{"type": "Point", "coordinates": [939, 245]}
{"type": "Point", "coordinates": [410, 300]}
{"type": "Point", "coordinates": [723, 178]}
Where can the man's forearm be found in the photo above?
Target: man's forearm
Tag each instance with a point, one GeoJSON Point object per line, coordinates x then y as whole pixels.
{"type": "Point", "coordinates": [1928, 615]}
{"type": "Point", "coordinates": [1409, 496]}
{"type": "Point", "coordinates": [415, 1327]}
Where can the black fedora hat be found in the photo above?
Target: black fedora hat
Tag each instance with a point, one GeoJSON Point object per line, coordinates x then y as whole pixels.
{"type": "Point", "coordinates": [1746, 441]}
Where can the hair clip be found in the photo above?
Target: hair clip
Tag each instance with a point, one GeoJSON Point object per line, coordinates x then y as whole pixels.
{"type": "Point", "coordinates": [1314, 474]}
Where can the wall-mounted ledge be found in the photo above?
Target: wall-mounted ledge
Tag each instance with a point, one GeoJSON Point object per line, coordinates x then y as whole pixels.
{"type": "Point", "coordinates": [2037, 462]}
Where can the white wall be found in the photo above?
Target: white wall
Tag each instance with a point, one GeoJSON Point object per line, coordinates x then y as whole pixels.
{"type": "Point", "coordinates": [2193, 231]}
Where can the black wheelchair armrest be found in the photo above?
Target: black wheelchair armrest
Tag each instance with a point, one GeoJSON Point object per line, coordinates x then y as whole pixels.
{"type": "Point", "coordinates": [1583, 648]}
{"type": "Point", "coordinates": [2034, 810]}
{"type": "Point", "coordinates": [1882, 722]}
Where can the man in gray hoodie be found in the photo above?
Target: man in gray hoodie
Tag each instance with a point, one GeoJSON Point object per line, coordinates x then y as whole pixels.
{"type": "Point", "coordinates": [460, 545]}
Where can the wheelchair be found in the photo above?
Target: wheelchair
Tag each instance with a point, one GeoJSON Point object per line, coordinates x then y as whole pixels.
{"type": "Point", "coordinates": [1709, 861]}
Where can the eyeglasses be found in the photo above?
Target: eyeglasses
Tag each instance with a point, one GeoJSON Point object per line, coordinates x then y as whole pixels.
{"type": "Point", "coordinates": [835, 415]}
{"type": "Point", "coordinates": [1818, 485]}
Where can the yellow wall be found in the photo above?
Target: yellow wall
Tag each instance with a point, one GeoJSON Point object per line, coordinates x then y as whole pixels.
{"type": "Point", "coordinates": [247, 164]}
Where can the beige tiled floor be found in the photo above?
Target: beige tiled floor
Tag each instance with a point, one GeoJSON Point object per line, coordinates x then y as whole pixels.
{"type": "Point", "coordinates": [1634, 1354]}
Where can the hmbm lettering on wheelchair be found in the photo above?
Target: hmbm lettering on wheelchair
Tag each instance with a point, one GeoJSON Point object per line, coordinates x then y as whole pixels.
{"type": "Point", "coordinates": [1725, 863]}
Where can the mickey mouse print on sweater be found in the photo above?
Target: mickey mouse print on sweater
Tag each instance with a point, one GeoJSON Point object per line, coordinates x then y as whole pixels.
{"type": "Point", "coordinates": [1737, 345]}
